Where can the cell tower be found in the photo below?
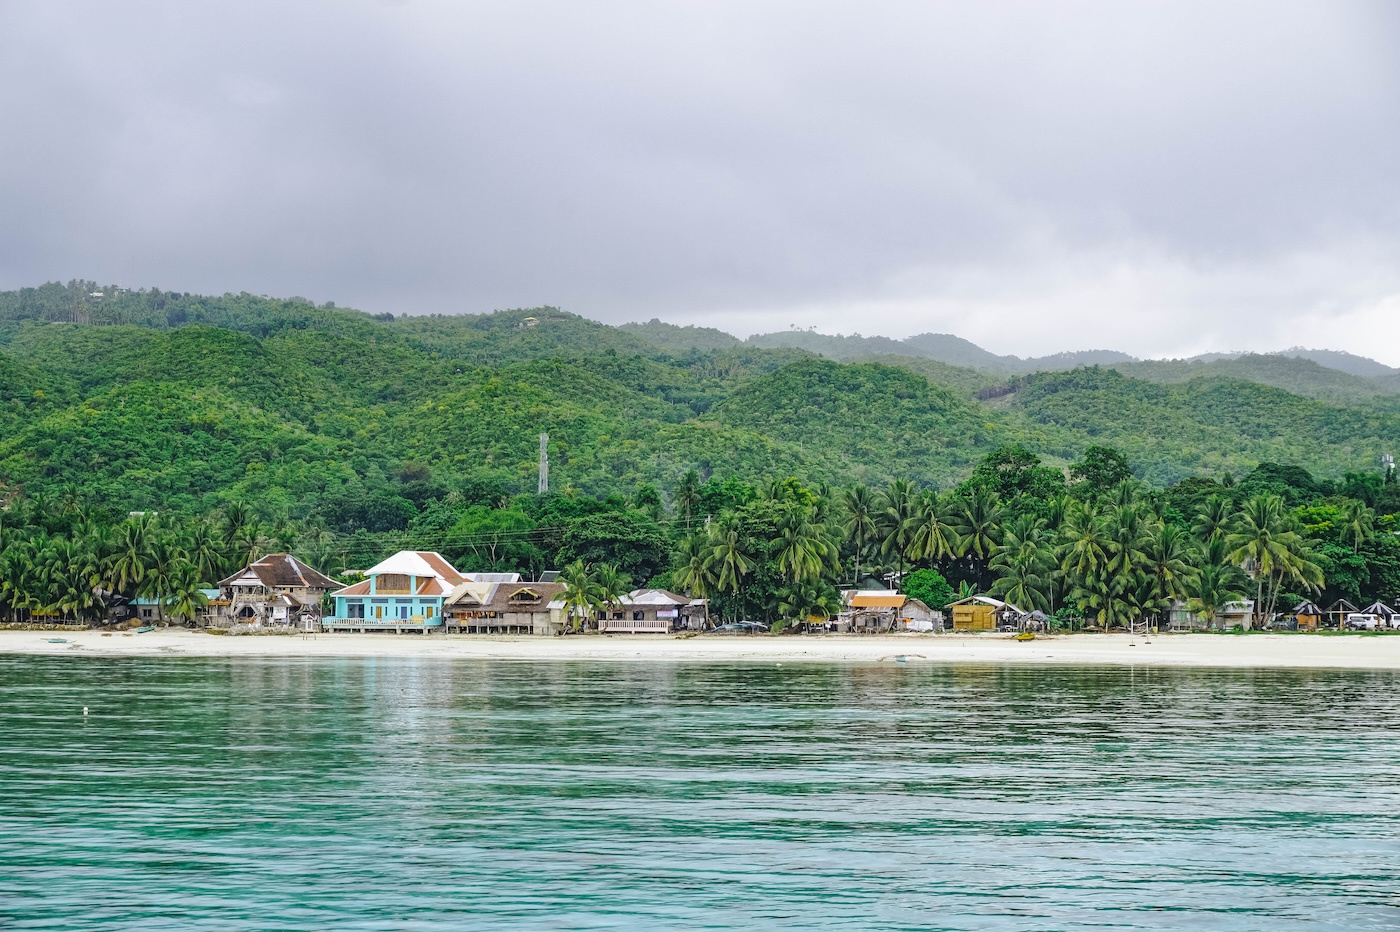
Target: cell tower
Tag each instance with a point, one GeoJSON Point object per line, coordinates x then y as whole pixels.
{"type": "Point", "coordinates": [544, 463]}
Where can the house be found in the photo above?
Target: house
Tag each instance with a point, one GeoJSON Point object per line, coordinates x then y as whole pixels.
{"type": "Point", "coordinates": [150, 610]}
{"type": "Point", "coordinates": [870, 609]}
{"type": "Point", "coordinates": [405, 593]}
{"type": "Point", "coordinates": [1237, 614]}
{"type": "Point", "coordinates": [279, 589]}
{"type": "Point", "coordinates": [982, 613]}
{"type": "Point", "coordinates": [1309, 616]}
{"type": "Point", "coordinates": [643, 611]}
{"type": "Point", "coordinates": [478, 606]}
{"type": "Point", "coordinates": [914, 615]}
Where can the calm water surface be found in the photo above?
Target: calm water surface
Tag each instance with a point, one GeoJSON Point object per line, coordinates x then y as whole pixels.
{"type": "Point", "coordinates": [425, 794]}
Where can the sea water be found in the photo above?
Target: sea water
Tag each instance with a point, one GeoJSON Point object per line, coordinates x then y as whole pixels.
{"type": "Point", "coordinates": [441, 794]}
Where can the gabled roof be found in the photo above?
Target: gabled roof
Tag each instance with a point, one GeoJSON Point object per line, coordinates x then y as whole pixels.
{"type": "Point", "coordinates": [282, 570]}
{"type": "Point", "coordinates": [1341, 605]}
{"type": "Point", "coordinates": [419, 563]}
{"type": "Point", "coordinates": [1306, 608]}
{"type": "Point", "coordinates": [471, 593]}
{"type": "Point", "coordinates": [653, 597]}
{"type": "Point", "coordinates": [360, 588]}
{"type": "Point", "coordinates": [1379, 608]}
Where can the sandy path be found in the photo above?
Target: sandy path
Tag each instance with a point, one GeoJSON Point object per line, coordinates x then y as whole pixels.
{"type": "Point", "coordinates": [1380, 653]}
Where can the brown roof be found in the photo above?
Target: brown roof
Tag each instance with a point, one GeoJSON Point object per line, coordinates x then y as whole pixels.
{"type": "Point", "coordinates": [429, 586]}
{"type": "Point", "coordinates": [501, 601]}
{"type": "Point", "coordinates": [360, 588]}
{"type": "Point", "coordinates": [441, 566]}
{"type": "Point", "coordinates": [284, 571]}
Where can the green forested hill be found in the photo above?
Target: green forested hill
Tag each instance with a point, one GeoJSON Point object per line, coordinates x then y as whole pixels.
{"type": "Point", "coordinates": [151, 400]}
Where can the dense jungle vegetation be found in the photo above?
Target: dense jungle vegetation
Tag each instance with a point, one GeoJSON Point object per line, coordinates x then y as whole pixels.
{"type": "Point", "coordinates": [239, 424]}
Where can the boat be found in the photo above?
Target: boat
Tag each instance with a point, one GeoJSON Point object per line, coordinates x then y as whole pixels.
{"type": "Point", "coordinates": [1026, 636]}
{"type": "Point", "coordinates": [57, 640]}
{"type": "Point", "coordinates": [145, 628]}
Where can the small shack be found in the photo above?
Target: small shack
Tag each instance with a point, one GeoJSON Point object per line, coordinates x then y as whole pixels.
{"type": "Point", "coordinates": [982, 613]}
{"type": "Point", "coordinates": [874, 609]}
{"type": "Point", "coordinates": [1308, 614]}
{"type": "Point", "coordinates": [914, 615]}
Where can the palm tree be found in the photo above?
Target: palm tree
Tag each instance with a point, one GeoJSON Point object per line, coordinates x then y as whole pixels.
{"type": "Point", "coordinates": [1025, 564]}
{"type": "Point", "coordinates": [860, 525]}
{"type": "Point", "coordinates": [205, 546]}
{"type": "Point", "coordinates": [730, 559]}
{"type": "Point", "coordinates": [802, 600]}
{"type": "Point", "coordinates": [934, 534]}
{"type": "Point", "coordinates": [1214, 520]}
{"type": "Point", "coordinates": [1216, 582]}
{"type": "Point", "coordinates": [800, 550]}
{"type": "Point", "coordinates": [185, 597]}
{"type": "Point", "coordinates": [1167, 562]}
{"type": "Point", "coordinates": [1265, 541]}
{"type": "Point", "coordinates": [132, 554]}
{"type": "Point", "coordinates": [694, 574]}
{"type": "Point", "coordinates": [1358, 524]}
{"type": "Point", "coordinates": [582, 594]}
{"type": "Point", "coordinates": [978, 525]}
{"type": "Point", "coordinates": [613, 584]}
{"type": "Point", "coordinates": [687, 497]}
{"type": "Point", "coordinates": [894, 508]}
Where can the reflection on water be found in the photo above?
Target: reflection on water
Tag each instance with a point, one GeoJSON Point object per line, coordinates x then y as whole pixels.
{"type": "Point", "coordinates": [431, 794]}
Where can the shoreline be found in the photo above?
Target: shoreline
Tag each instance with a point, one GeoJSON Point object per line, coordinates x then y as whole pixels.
{"type": "Point", "coordinates": [1184, 650]}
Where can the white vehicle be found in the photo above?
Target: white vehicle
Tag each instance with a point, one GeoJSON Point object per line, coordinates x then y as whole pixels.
{"type": "Point", "coordinates": [1360, 621]}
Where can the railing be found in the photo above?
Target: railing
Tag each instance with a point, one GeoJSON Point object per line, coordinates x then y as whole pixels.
{"type": "Point", "coordinates": [635, 626]}
{"type": "Point", "coordinates": [413, 621]}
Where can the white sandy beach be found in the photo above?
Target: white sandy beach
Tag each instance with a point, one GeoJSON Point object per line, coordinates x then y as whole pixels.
{"type": "Point", "coordinates": [1356, 652]}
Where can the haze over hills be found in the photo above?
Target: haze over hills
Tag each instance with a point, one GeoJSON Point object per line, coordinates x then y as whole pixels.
{"type": "Point", "coordinates": [957, 351]}
{"type": "Point", "coordinates": [151, 399]}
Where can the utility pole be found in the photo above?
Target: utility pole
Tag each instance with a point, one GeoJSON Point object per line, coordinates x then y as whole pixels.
{"type": "Point", "coordinates": [544, 463]}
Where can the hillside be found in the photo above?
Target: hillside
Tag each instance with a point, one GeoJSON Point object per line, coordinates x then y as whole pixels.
{"type": "Point", "coordinates": [163, 401]}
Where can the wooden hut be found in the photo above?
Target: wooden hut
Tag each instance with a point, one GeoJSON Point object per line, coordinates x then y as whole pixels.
{"type": "Point", "coordinates": [1309, 616]}
{"type": "Point", "coordinates": [981, 613]}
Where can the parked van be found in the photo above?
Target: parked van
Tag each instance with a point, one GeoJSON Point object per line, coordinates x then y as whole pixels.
{"type": "Point", "coordinates": [1360, 621]}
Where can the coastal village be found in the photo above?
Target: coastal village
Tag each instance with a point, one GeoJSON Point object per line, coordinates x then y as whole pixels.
{"type": "Point", "coordinates": [420, 592]}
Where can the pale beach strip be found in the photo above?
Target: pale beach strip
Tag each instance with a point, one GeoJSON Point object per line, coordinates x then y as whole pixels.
{"type": "Point", "coordinates": [1189, 650]}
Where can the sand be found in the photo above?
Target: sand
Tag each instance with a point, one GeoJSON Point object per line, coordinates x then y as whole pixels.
{"type": "Point", "coordinates": [1260, 650]}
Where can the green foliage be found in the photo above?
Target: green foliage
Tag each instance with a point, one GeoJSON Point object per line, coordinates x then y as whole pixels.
{"type": "Point", "coordinates": [929, 587]}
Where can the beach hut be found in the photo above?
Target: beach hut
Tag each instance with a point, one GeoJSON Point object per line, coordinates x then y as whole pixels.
{"type": "Point", "coordinates": [981, 613]}
{"type": "Point", "coordinates": [1338, 611]}
{"type": "Point", "coordinates": [874, 609]}
{"type": "Point", "coordinates": [1308, 614]}
{"type": "Point", "coordinates": [1387, 615]}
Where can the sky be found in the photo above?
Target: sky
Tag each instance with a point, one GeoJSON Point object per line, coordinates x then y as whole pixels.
{"type": "Point", "coordinates": [1158, 178]}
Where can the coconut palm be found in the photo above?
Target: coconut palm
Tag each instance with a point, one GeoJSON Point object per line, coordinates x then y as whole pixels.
{"type": "Point", "coordinates": [1214, 520]}
{"type": "Point", "coordinates": [1358, 524]}
{"type": "Point", "coordinates": [934, 534]}
{"type": "Point", "coordinates": [1265, 541]}
{"type": "Point", "coordinates": [695, 575]}
{"type": "Point", "coordinates": [582, 594]}
{"type": "Point", "coordinates": [687, 497]}
{"type": "Point", "coordinates": [1024, 564]}
{"type": "Point", "coordinates": [1167, 556]}
{"type": "Point", "coordinates": [894, 508]}
{"type": "Point", "coordinates": [978, 525]}
{"type": "Point", "coordinates": [860, 525]}
{"type": "Point", "coordinates": [613, 584]}
{"type": "Point", "coordinates": [730, 559]}
{"type": "Point", "coordinates": [801, 550]}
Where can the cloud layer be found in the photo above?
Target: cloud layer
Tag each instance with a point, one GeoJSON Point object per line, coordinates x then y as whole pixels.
{"type": "Point", "coordinates": [1159, 178]}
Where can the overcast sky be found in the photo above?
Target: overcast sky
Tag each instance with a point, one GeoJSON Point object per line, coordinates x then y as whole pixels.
{"type": "Point", "coordinates": [1161, 178]}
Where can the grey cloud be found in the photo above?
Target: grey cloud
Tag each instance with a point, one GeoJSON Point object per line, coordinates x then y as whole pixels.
{"type": "Point", "coordinates": [1040, 177]}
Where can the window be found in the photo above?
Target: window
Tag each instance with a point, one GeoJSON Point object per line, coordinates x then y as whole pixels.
{"type": "Point", "coordinates": [354, 610]}
{"type": "Point", "coordinates": [639, 616]}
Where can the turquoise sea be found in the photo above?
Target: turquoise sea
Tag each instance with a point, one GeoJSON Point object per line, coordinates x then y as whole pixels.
{"type": "Point", "coordinates": [432, 794]}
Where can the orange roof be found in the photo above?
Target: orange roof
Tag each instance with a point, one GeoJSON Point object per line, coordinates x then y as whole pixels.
{"type": "Point", "coordinates": [360, 588]}
{"type": "Point", "coordinates": [893, 600]}
{"type": "Point", "coordinates": [429, 587]}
